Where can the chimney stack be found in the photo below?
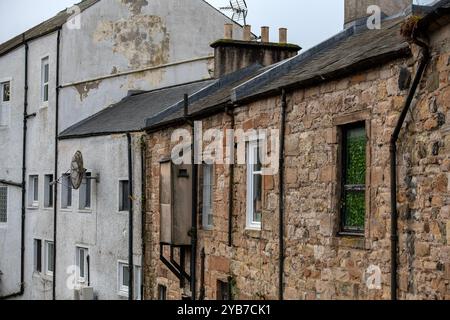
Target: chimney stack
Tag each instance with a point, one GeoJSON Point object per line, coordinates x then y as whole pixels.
{"type": "Point", "coordinates": [247, 33]}
{"type": "Point", "coordinates": [228, 31]}
{"type": "Point", "coordinates": [232, 55]}
{"type": "Point", "coordinates": [283, 36]}
{"type": "Point", "coordinates": [357, 9]}
{"type": "Point", "coordinates": [265, 34]}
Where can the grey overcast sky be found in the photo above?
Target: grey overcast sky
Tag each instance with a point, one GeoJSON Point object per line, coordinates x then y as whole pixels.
{"type": "Point", "coordinates": [309, 21]}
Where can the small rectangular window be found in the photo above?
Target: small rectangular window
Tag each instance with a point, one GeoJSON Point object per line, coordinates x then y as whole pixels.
{"type": "Point", "coordinates": [254, 186]}
{"type": "Point", "coordinates": [124, 280]}
{"type": "Point", "coordinates": [223, 291]}
{"type": "Point", "coordinates": [37, 255]}
{"type": "Point", "coordinates": [162, 292]}
{"type": "Point", "coordinates": [82, 259]}
{"type": "Point", "coordinates": [124, 201]}
{"type": "Point", "coordinates": [353, 173]}
{"type": "Point", "coordinates": [33, 191]}
{"type": "Point", "coordinates": [3, 204]}
{"type": "Point", "coordinates": [208, 176]}
{"type": "Point", "coordinates": [48, 191]}
{"type": "Point", "coordinates": [85, 192]}
{"type": "Point", "coordinates": [49, 258]}
{"type": "Point", "coordinates": [66, 192]}
{"type": "Point", "coordinates": [45, 70]}
{"type": "Point", "coordinates": [5, 91]}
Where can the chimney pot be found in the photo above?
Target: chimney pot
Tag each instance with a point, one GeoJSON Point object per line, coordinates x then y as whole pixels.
{"type": "Point", "coordinates": [228, 31]}
{"type": "Point", "coordinates": [265, 34]}
{"type": "Point", "coordinates": [247, 33]}
{"type": "Point", "coordinates": [283, 35]}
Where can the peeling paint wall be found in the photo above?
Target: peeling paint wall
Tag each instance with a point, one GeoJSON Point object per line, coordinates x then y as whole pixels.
{"type": "Point", "coordinates": [119, 36]}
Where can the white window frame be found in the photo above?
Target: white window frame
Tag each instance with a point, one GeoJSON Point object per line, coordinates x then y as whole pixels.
{"type": "Point", "coordinates": [47, 260]}
{"type": "Point", "coordinates": [252, 147]}
{"type": "Point", "coordinates": [208, 196]}
{"type": "Point", "coordinates": [5, 106]}
{"type": "Point", "coordinates": [82, 192]}
{"type": "Point", "coordinates": [82, 279]}
{"type": "Point", "coordinates": [45, 61]}
{"type": "Point", "coordinates": [122, 289]}
{"type": "Point", "coordinates": [49, 191]}
{"type": "Point", "coordinates": [33, 182]}
{"type": "Point", "coordinates": [35, 256]}
{"type": "Point", "coordinates": [66, 187]}
{"type": "Point", "coordinates": [120, 191]}
{"type": "Point", "coordinates": [3, 187]}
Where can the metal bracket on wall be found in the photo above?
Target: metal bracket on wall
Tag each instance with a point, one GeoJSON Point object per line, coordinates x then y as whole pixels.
{"type": "Point", "coordinates": [176, 268]}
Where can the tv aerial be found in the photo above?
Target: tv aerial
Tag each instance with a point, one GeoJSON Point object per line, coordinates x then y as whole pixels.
{"type": "Point", "coordinates": [239, 9]}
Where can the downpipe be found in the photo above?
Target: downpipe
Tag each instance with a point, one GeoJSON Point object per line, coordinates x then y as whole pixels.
{"type": "Point", "coordinates": [130, 221]}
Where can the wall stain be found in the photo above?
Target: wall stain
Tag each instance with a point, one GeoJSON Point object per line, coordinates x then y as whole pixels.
{"type": "Point", "coordinates": [84, 88]}
{"type": "Point", "coordinates": [135, 5]}
{"type": "Point", "coordinates": [143, 40]}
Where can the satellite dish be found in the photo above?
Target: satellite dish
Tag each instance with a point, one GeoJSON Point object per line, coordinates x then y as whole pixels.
{"type": "Point", "coordinates": [77, 170]}
{"type": "Point", "coordinates": [239, 9]}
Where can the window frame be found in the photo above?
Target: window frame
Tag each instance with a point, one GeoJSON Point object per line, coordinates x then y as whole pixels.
{"type": "Point", "coordinates": [162, 292]}
{"type": "Point", "coordinates": [33, 191]}
{"type": "Point", "coordinates": [84, 191]}
{"type": "Point", "coordinates": [252, 146]}
{"type": "Point", "coordinates": [66, 192]}
{"type": "Point", "coordinates": [37, 255]}
{"type": "Point", "coordinates": [5, 215]}
{"type": "Point", "coordinates": [122, 198]}
{"type": "Point", "coordinates": [82, 279]}
{"type": "Point", "coordinates": [346, 188]}
{"type": "Point", "coordinates": [47, 258]}
{"type": "Point", "coordinates": [45, 85]}
{"type": "Point", "coordinates": [2, 91]}
{"type": "Point", "coordinates": [208, 214]}
{"type": "Point", "coordinates": [48, 191]}
{"type": "Point", "coordinates": [123, 290]}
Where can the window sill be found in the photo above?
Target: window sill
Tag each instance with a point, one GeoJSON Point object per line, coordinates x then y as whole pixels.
{"type": "Point", "coordinates": [3, 225]}
{"type": "Point", "coordinates": [352, 241]}
{"type": "Point", "coordinates": [32, 208]}
{"type": "Point", "coordinates": [122, 294]}
{"type": "Point", "coordinates": [66, 209]}
{"type": "Point", "coordinates": [85, 211]}
{"type": "Point", "coordinates": [253, 233]}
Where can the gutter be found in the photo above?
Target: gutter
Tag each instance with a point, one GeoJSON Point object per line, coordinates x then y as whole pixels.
{"type": "Point", "coordinates": [393, 164]}
{"type": "Point", "coordinates": [55, 186]}
{"type": "Point", "coordinates": [130, 222]}
{"type": "Point", "coordinates": [23, 186]}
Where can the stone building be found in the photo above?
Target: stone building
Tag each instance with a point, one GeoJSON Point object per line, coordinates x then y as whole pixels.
{"type": "Point", "coordinates": [323, 227]}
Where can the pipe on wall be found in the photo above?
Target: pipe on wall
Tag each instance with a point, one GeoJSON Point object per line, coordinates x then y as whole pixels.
{"type": "Point", "coordinates": [55, 186]}
{"type": "Point", "coordinates": [393, 165]}
{"type": "Point", "coordinates": [281, 195]}
{"type": "Point", "coordinates": [130, 221]}
{"type": "Point", "coordinates": [143, 208]}
{"type": "Point", "coordinates": [193, 262]}
{"type": "Point", "coordinates": [23, 186]}
{"type": "Point", "coordinates": [230, 113]}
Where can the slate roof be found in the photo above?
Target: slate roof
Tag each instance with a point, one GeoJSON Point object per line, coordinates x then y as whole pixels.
{"type": "Point", "coordinates": [346, 53]}
{"type": "Point", "coordinates": [130, 113]}
{"type": "Point", "coordinates": [208, 99]}
{"type": "Point", "coordinates": [43, 28]}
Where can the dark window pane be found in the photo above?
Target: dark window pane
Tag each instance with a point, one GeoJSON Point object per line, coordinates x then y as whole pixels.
{"type": "Point", "coordinates": [38, 255]}
{"type": "Point", "coordinates": [81, 261]}
{"type": "Point", "coordinates": [3, 204]}
{"type": "Point", "coordinates": [355, 208]}
{"type": "Point", "coordinates": [162, 292]}
{"type": "Point", "coordinates": [356, 156]}
{"type": "Point", "coordinates": [124, 200]}
{"type": "Point", "coordinates": [35, 188]}
{"type": "Point", "coordinates": [50, 259]}
{"type": "Point", "coordinates": [223, 292]}
{"type": "Point", "coordinates": [6, 91]}
{"type": "Point", "coordinates": [125, 276]}
{"type": "Point", "coordinates": [257, 197]}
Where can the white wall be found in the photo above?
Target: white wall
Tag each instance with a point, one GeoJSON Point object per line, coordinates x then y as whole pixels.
{"type": "Point", "coordinates": [12, 69]}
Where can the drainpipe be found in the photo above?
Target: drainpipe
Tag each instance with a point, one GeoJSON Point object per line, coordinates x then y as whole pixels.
{"type": "Point", "coordinates": [143, 209]}
{"type": "Point", "coordinates": [23, 185]}
{"type": "Point", "coordinates": [281, 194]}
{"type": "Point", "coordinates": [55, 186]}
{"type": "Point", "coordinates": [393, 165]}
{"type": "Point", "coordinates": [130, 222]}
{"type": "Point", "coordinates": [230, 113]}
{"type": "Point", "coordinates": [194, 202]}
